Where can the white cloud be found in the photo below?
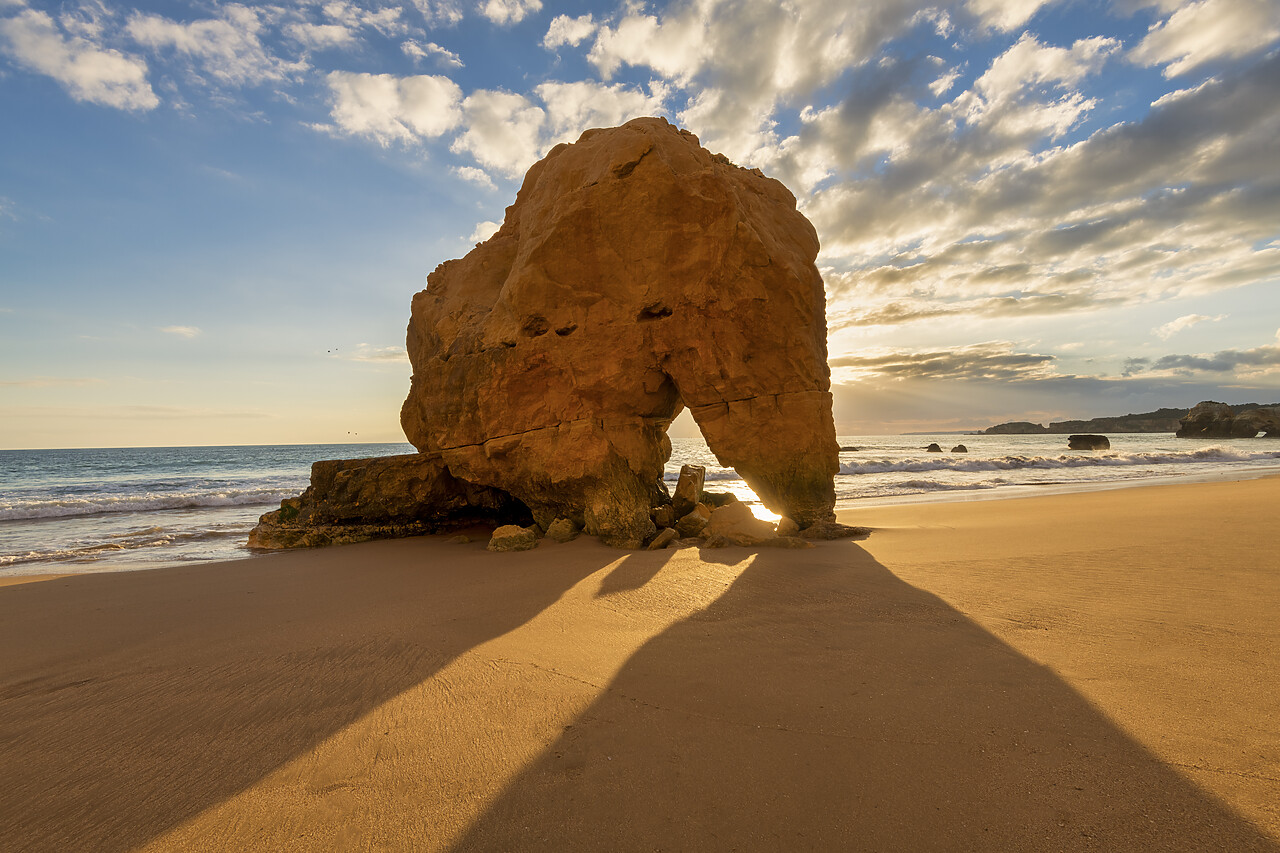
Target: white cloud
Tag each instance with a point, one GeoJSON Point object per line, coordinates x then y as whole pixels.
{"type": "Point", "coordinates": [575, 107]}
{"type": "Point", "coordinates": [443, 13]}
{"type": "Point", "coordinates": [182, 331]}
{"type": "Point", "coordinates": [509, 11]}
{"type": "Point", "coordinates": [503, 131]}
{"type": "Point", "coordinates": [675, 47]}
{"type": "Point", "coordinates": [476, 176]}
{"type": "Point", "coordinates": [444, 57]}
{"type": "Point", "coordinates": [1208, 30]}
{"type": "Point", "coordinates": [393, 109]}
{"type": "Point", "coordinates": [1028, 63]}
{"type": "Point", "coordinates": [377, 355]}
{"type": "Point", "coordinates": [568, 31]}
{"type": "Point", "coordinates": [484, 230]}
{"type": "Point", "coordinates": [387, 21]}
{"type": "Point", "coordinates": [228, 49]}
{"type": "Point", "coordinates": [1004, 15]}
{"type": "Point", "coordinates": [320, 36]}
{"type": "Point", "coordinates": [87, 70]}
{"type": "Point", "coordinates": [944, 83]}
{"type": "Point", "coordinates": [1171, 328]}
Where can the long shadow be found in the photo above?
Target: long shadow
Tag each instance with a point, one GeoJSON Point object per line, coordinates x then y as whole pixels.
{"type": "Point", "coordinates": [823, 704]}
{"type": "Point", "coordinates": [131, 702]}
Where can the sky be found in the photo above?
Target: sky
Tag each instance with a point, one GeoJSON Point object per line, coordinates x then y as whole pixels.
{"type": "Point", "coordinates": [213, 216]}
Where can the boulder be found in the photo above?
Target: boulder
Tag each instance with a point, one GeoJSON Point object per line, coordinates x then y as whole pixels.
{"type": "Point", "coordinates": [738, 525]}
{"type": "Point", "coordinates": [934, 448]}
{"type": "Point", "coordinates": [663, 516]}
{"type": "Point", "coordinates": [511, 537]}
{"type": "Point", "coordinates": [1088, 442]}
{"type": "Point", "coordinates": [354, 500]}
{"type": "Point", "coordinates": [959, 448]}
{"type": "Point", "coordinates": [787, 527]}
{"type": "Point", "coordinates": [562, 530]}
{"type": "Point", "coordinates": [694, 521]}
{"type": "Point", "coordinates": [688, 489]}
{"type": "Point", "coordinates": [717, 499]}
{"type": "Point", "coordinates": [635, 275]}
{"type": "Point", "coordinates": [664, 538]}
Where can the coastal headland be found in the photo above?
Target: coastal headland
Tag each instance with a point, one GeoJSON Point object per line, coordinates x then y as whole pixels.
{"type": "Point", "coordinates": [1087, 671]}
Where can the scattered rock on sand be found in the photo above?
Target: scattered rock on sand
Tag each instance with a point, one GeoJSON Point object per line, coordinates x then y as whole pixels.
{"type": "Point", "coordinates": [692, 523]}
{"type": "Point", "coordinates": [562, 530]}
{"type": "Point", "coordinates": [511, 537]}
{"type": "Point", "coordinates": [787, 527]}
{"type": "Point", "coordinates": [664, 538]}
{"type": "Point", "coordinates": [736, 523]}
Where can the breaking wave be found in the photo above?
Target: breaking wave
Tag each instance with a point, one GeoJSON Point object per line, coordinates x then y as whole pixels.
{"type": "Point", "coordinates": [97, 504]}
{"type": "Point", "coordinates": [1079, 460]}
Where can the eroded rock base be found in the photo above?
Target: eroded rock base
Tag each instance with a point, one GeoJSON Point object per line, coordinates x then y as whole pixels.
{"type": "Point", "coordinates": [388, 497]}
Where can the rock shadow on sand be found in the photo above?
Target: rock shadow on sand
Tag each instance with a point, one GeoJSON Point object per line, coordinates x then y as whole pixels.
{"type": "Point", "coordinates": [824, 704]}
{"type": "Point", "coordinates": [175, 690]}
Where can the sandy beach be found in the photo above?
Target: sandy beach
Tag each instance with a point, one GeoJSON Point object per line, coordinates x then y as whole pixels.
{"type": "Point", "coordinates": [1091, 671]}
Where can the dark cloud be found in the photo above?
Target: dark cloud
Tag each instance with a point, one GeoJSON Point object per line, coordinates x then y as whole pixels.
{"type": "Point", "coordinates": [980, 361]}
{"type": "Point", "coordinates": [1017, 305]}
{"type": "Point", "coordinates": [1225, 361]}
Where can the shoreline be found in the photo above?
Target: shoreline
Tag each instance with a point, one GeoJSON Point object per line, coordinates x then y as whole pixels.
{"type": "Point", "coordinates": [1072, 672]}
{"type": "Point", "coordinates": [843, 508]}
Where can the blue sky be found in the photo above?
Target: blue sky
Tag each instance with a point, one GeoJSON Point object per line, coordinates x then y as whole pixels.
{"type": "Point", "coordinates": [213, 215]}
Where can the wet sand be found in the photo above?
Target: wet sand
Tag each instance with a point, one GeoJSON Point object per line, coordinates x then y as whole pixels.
{"type": "Point", "coordinates": [1092, 671]}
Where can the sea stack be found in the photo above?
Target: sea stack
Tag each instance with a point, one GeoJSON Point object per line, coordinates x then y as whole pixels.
{"type": "Point", "coordinates": [635, 275]}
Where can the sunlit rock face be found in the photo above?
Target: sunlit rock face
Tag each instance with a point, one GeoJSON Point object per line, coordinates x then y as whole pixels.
{"type": "Point", "coordinates": [636, 274]}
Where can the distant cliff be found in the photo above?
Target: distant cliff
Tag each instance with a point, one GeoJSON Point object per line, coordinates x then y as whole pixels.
{"type": "Point", "coordinates": [1161, 420]}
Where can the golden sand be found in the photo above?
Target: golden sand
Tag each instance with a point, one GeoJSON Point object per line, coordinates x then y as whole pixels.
{"type": "Point", "coordinates": [1091, 671]}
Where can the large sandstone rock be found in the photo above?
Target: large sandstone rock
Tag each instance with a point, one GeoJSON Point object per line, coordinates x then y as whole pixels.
{"type": "Point", "coordinates": [1218, 420]}
{"type": "Point", "coordinates": [354, 500]}
{"type": "Point", "coordinates": [636, 274]}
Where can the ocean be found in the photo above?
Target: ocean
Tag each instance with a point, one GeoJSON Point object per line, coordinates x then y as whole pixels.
{"type": "Point", "coordinates": [70, 511]}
